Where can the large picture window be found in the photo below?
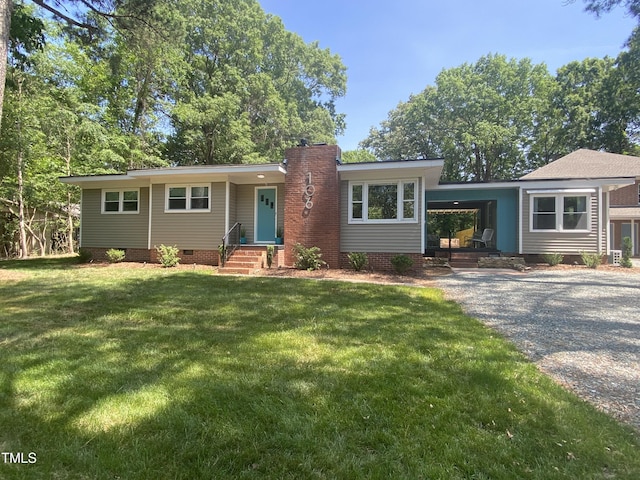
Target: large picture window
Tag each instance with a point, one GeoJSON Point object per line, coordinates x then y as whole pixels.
{"type": "Point", "coordinates": [383, 201]}
{"type": "Point", "coordinates": [560, 212]}
{"type": "Point", "coordinates": [120, 201]}
{"type": "Point", "coordinates": [188, 198]}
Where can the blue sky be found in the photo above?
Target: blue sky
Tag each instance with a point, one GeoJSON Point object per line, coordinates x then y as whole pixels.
{"type": "Point", "coordinates": [395, 48]}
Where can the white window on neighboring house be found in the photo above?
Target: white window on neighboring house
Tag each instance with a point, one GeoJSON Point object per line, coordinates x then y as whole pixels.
{"type": "Point", "coordinates": [120, 201]}
{"type": "Point", "coordinates": [560, 212]}
{"type": "Point", "coordinates": [188, 198]}
{"type": "Point", "coordinates": [383, 202]}
{"type": "Point", "coordinates": [638, 193]}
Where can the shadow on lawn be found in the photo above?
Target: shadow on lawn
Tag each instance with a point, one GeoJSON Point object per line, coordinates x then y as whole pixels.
{"type": "Point", "coordinates": [189, 375]}
{"type": "Point", "coordinates": [40, 263]}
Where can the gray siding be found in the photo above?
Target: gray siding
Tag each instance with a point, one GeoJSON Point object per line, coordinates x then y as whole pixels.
{"type": "Point", "coordinates": [245, 209]}
{"type": "Point", "coordinates": [189, 230]}
{"type": "Point", "coordinates": [560, 242]}
{"type": "Point", "coordinates": [233, 215]}
{"type": "Point", "coordinates": [396, 237]}
{"type": "Point", "coordinates": [113, 230]}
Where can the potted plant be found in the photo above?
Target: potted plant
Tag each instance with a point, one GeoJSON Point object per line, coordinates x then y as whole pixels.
{"type": "Point", "coordinates": [243, 235]}
{"type": "Point", "coordinates": [279, 236]}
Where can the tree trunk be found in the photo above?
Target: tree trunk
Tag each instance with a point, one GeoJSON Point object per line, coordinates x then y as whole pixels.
{"type": "Point", "coordinates": [5, 25]}
{"type": "Point", "coordinates": [24, 248]}
{"type": "Point", "coordinates": [22, 225]}
{"type": "Point", "coordinates": [69, 204]}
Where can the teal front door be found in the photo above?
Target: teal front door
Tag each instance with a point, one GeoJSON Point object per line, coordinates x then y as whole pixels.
{"type": "Point", "coordinates": [266, 208]}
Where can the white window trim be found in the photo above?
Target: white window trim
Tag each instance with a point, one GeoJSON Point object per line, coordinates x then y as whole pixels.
{"type": "Point", "coordinates": [120, 201]}
{"type": "Point", "coordinates": [560, 210]}
{"type": "Point", "coordinates": [400, 202]}
{"type": "Point", "coordinates": [188, 187]}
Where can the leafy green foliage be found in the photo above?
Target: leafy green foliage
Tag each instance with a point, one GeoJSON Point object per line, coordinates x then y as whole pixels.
{"type": "Point", "coordinates": [115, 256]}
{"type": "Point", "coordinates": [307, 258]}
{"type": "Point", "coordinates": [591, 260]}
{"type": "Point", "coordinates": [357, 260]}
{"type": "Point", "coordinates": [26, 34]}
{"type": "Point", "coordinates": [500, 118]}
{"type": "Point", "coordinates": [358, 156]}
{"type": "Point", "coordinates": [168, 255]}
{"type": "Point", "coordinates": [250, 87]}
{"type": "Point", "coordinates": [401, 263]}
{"type": "Point", "coordinates": [84, 255]}
{"type": "Point", "coordinates": [222, 254]}
{"type": "Point", "coordinates": [478, 116]}
{"type": "Point", "coordinates": [553, 259]}
{"type": "Point", "coordinates": [627, 247]}
{"type": "Point", "coordinates": [270, 252]}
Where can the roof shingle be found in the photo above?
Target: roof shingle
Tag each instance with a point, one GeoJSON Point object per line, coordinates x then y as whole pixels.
{"type": "Point", "coordinates": [585, 163]}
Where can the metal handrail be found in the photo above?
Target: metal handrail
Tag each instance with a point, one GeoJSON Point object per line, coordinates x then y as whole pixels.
{"type": "Point", "coordinates": [230, 242]}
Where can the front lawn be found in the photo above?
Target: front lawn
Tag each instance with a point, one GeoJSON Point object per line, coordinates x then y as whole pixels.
{"type": "Point", "coordinates": [140, 373]}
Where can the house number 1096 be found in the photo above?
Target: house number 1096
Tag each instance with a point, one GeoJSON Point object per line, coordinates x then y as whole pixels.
{"type": "Point", "coordinates": [309, 190]}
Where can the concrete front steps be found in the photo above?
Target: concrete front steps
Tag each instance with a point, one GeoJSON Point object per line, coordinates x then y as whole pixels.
{"type": "Point", "coordinates": [244, 261]}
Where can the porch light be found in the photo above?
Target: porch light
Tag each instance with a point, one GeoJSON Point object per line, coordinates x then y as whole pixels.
{"type": "Point", "coordinates": [261, 175]}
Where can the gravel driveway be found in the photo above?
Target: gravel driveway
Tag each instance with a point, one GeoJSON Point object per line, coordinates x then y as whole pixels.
{"type": "Point", "coordinates": [580, 326]}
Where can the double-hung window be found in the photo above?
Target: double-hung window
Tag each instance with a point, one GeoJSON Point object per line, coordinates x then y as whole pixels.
{"type": "Point", "coordinates": [188, 198]}
{"type": "Point", "coordinates": [121, 201]}
{"type": "Point", "coordinates": [383, 202]}
{"type": "Point", "coordinates": [560, 212]}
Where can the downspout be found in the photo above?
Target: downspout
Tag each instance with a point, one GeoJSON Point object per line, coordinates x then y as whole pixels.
{"type": "Point", "coordinates": [150, 215]}
{"type": "Point", "coordinates": [600, 209]}
{"type": "Point", "coordinates": [81, 222]}
{"type": "Point", "coordinates": [607, 231]}
{"type": "Point", "coordinates": [227, 210]}
{"type": "Point", "coordinates": [520, 221]}
{"type": "Point", "coordinates": [423, 207]}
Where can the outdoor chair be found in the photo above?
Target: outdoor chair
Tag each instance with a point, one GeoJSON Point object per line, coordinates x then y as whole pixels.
{"type": "Point", "coordinates": [487, 235]}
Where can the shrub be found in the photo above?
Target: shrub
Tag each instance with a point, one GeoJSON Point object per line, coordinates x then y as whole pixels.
{"type": "Point", "coordinates": [401, 263]}
{"type": "Point", "coordinates": [627, 246]}
{"type": "Point", "coordinates": [270, 251]}
{"type": "Point", "coordinates": [357, 260]}
{"type": "Point", "coordinates": [222, 254]}
{"type": "Point", "coordinates": [591, 260]}
{"type": "Point", "coordinates": [308, 258]}
{"type": "Point", "coordinates": [553, 259]}
{"type": "Point", "coordinates": [168, 255]}
{"type": "Point", "coordinates": [84, 255]}
{"type": "Point", "coordinates": [114, 255]}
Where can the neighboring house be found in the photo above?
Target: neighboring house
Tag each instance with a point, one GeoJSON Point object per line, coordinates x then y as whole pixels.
{"type": "Point", "coordinates": [380, 208]}
{"type": "Point", "coordinates": [619, 198]}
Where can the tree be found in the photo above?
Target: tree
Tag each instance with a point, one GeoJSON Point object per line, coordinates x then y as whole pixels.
{"type": "Point", "coordinates": [597, 101]}
{"type": "Point", "coordinates": [599, 7]}
{"type": "Point", "coordinates": [623, 94]}
{"type": "Point", "coordinates": [250, 88]}
{"type": "Point", "coordinates": [125, 14]}
{"type": "Point", "coordinates": [480, 117]}
{"type": "Point", "coordinates": [357, 156]}
{"type": "Point", "coordinates": [411, 131]}
{"type": "Point", "coordinates": [19, 146]}
{"type": "Point", "coordinates": [5, 25]}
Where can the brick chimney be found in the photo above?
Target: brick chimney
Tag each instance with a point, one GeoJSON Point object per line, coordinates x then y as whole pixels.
{"type": "Point", "coordinates": [312, 201]}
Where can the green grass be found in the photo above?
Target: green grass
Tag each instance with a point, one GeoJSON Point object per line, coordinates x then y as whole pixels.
{"type": "Point", "coordinates": [109, 372]}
